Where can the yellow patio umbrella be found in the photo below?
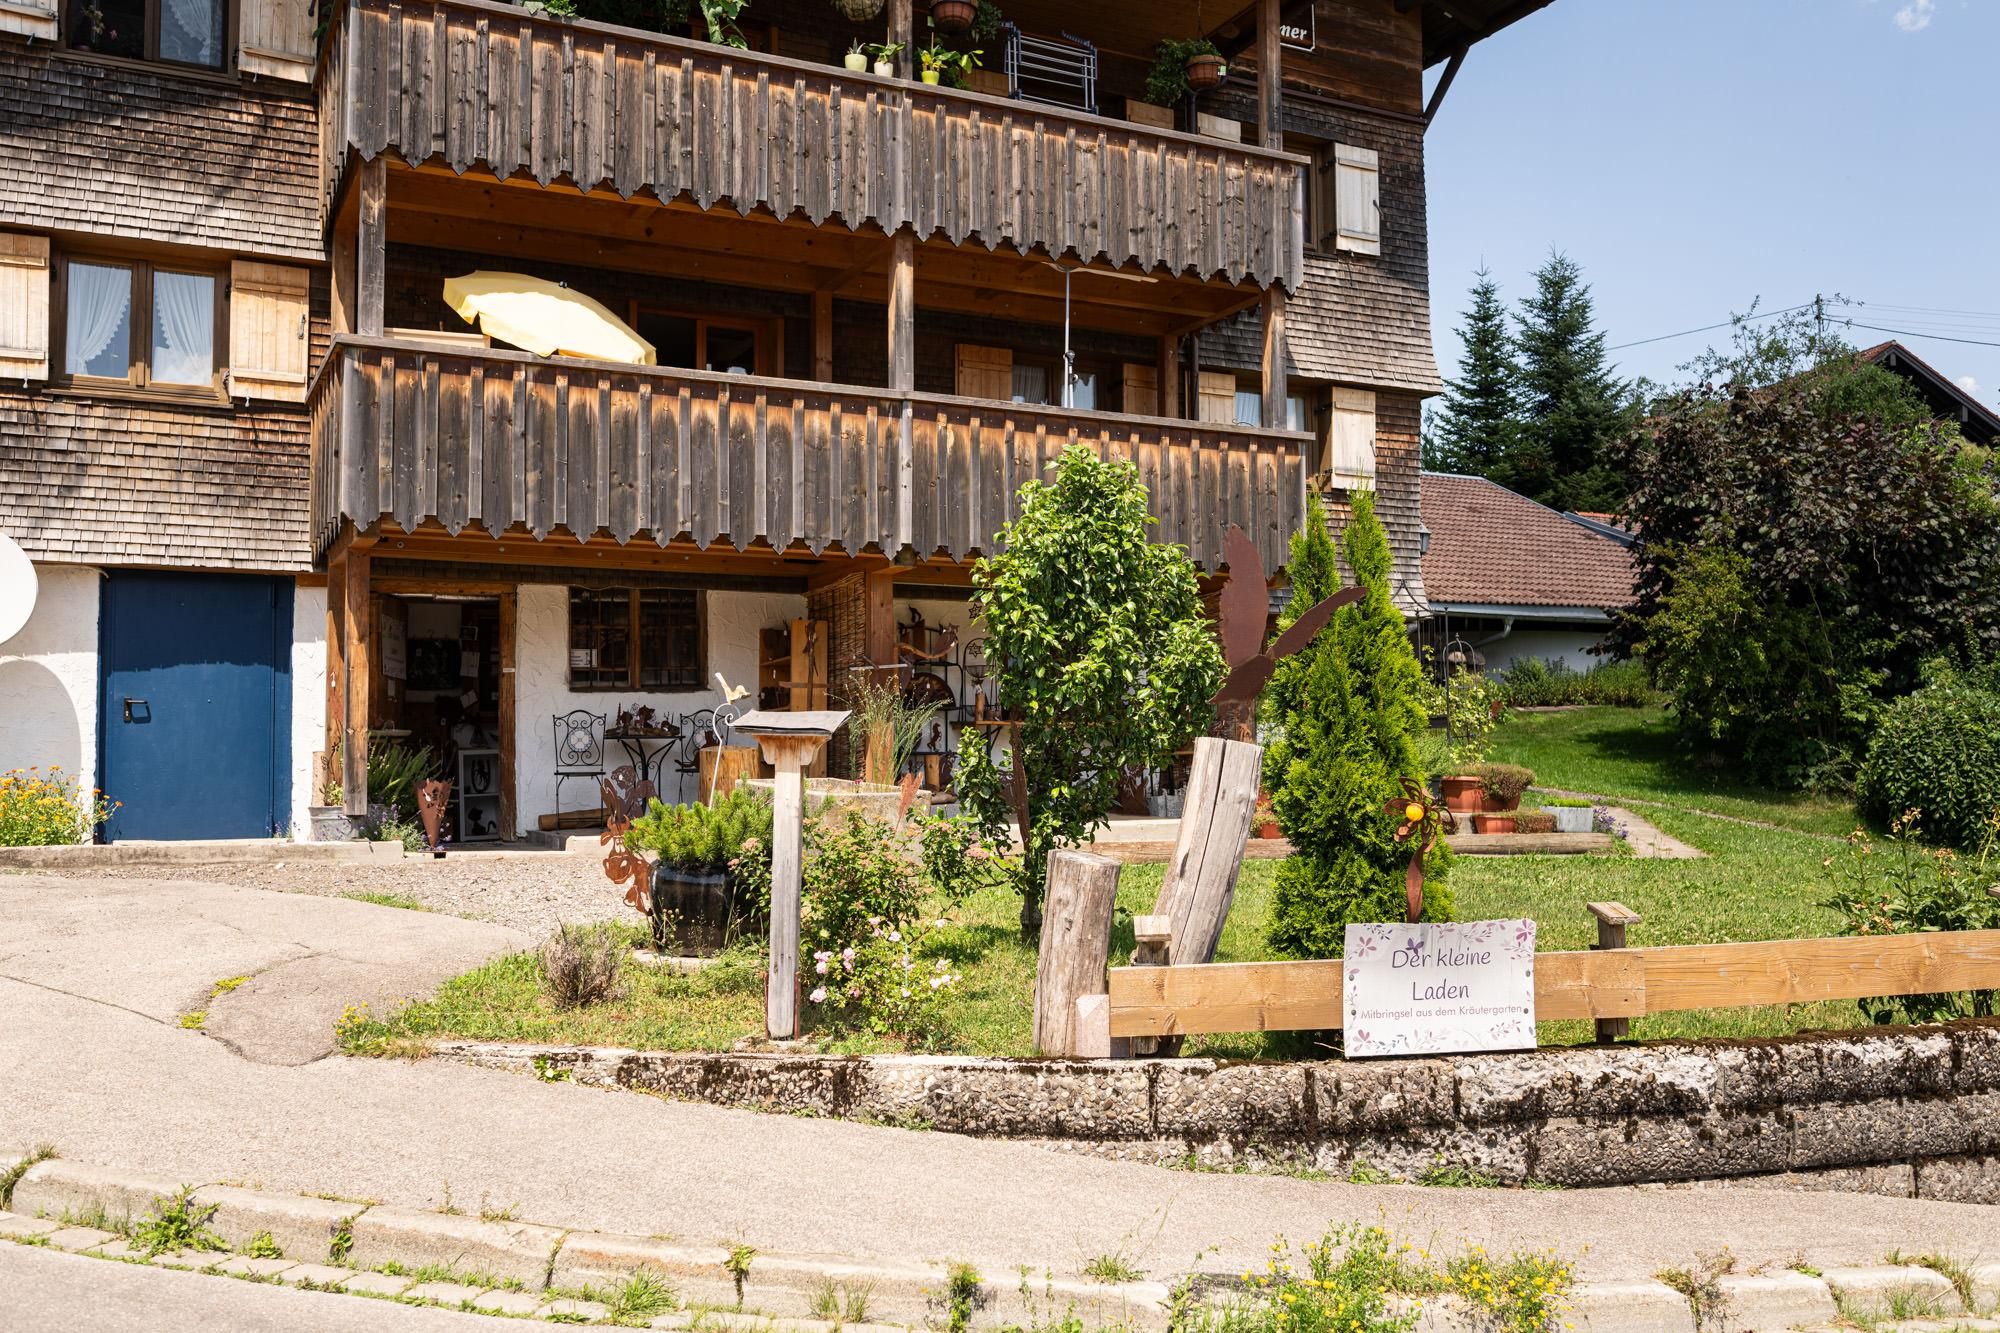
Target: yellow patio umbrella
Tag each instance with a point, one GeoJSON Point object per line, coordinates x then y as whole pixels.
{"type": "Point", "coordinates": [544, 317]}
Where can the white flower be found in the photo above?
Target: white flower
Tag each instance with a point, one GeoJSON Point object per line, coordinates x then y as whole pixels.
{"type": "Point", "coordinates": [895, 937]}
{"type": "Point", "coordinates": [906, 992]}
{"type": "Point", "coordinates": [820, 967]}
{"type": "Point", "coordinates": [936, 982]}
{"type": "Point", "coordinates": [818, 996]}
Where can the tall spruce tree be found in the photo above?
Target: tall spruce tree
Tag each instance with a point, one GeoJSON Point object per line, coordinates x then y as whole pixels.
{"type": "Point", "coordinates": [1478, 423]}
{"type": "Point", "coordinates": [1346, 712]}
{"type": "Point", "coordinates": [1572, 409]}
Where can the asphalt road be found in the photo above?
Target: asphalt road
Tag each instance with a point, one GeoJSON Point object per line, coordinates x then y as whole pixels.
{"type": "Point", "coordinates": [92, 1059]}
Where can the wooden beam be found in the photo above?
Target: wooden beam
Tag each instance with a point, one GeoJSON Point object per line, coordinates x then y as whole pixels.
{"type": "Point", "coordinates": [346, 233]}
{"type": "Point", "coordinates": [1201, 879]}
{"type": "Point", "coordinates": [335, 703]}
{"type": "Point", "coordinates": [510, 619]}
{"type": "Point", "coordinates": [357, 664]}
{"type": "Point", "coordinates": [1170, 377]}
{"type": "Point", "coordinates": [823, 336]}
{"type": "Point", "coordinates": [879, 617]}
{"type": "Point", "coordinates": [903, 369]}
{"type": "Point", "coordinates": [1274, 359]}
{"type": "Point", "coordinates": [1075, 945]}
{"type": "Point", "coordinates": [1270, 76]}
{"type": "Point", "coordinates": [371, 254]}
{"type": "Point", "coordinates": [1444, 86]}
{"type": "Point", "coordinates": [902, 30]}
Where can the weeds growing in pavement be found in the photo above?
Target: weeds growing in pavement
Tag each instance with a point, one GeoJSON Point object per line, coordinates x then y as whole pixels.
{"type": "Point", "coordinates": [635, 1302]}
{"type": "Point", "coordinates": [194, 1019]}
{"type": "Point", "coordinates": [489, 1213]}
{"type": "Point", "coordinates": [1946, 1267]}
{"type": "Point", "coordinates": [1112, 1268]}
{"type": "Point", "coordinates": [261, 1246]}
{"type": "Point", "coordinates": [1702, 1285]}
{"type": "Point", "coordinates": [1455, 1175]}
{"type": "Point", "coordinates": [11, 1177]}
{"type": "Point", "coordinates": [177, 1223]}
{"type": "Point", "coordinates": [962, 1295]}
{"type": "Point", "coordinates": [408, 904]}
{"type": "Point", "coordinates": [224, 986]}
{"type": "Point", "coordinates": [840, 1303]}
{"type": "Point", "coordinates": [342, 1243]}
{"type": "Point", "coordinates": [738, 1264]}
{"type": "Point", "coordinates": [1364, 1172]}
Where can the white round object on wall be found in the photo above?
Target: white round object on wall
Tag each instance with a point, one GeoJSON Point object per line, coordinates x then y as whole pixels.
{"type": "Point", "coordinates": [17, 588]}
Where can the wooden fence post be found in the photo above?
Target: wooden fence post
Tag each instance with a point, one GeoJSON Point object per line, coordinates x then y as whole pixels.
{"type": "Point", "coordinates": [1075, 948]}
{"type": "Point", "coordinates": [1215, 826]}
{"type": "Point", "coordinates": [1612, 918]}
{"type": "Point", "coordinates": [1152, 936]}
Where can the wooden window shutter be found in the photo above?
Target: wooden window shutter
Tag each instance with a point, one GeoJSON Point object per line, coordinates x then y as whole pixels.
{"type": "Point", "coordinates": [1350, 454]}
{"type": "Point", "coordinates": [1218, 398]}
{"type": "Point", "coordinates": [24, 306]}
{"type": "Point", "coordinates": [984, 372]}
{"type": "Point", "coordinates": [30, 18]}
{"type": "Point", "coordinates": [269, 307]}
{"type": "Point", "coordinates": [276, 40]}
{"type": "Point", "coordinates": [1357, 202]}
{"type": "Point", "coordinates": [1141, 390]}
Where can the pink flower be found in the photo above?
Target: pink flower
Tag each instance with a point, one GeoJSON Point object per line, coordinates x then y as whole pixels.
{"type": "Point", "coordinates": [819, 994]}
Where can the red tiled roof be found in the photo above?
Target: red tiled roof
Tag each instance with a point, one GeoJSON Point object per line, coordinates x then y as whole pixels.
{"type": "Point", "coordinates": [1491, 547]}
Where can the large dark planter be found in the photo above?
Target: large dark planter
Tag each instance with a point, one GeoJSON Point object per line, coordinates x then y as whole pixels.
{"type": "Point", "coordinates": [953, 15]}
{"type": "Point", "coordinates": [698, 913]}
{"type": "Point", "coordinates": [1205, 71]}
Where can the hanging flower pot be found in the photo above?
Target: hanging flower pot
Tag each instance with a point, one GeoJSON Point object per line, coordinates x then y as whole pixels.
{"type": "Point", "coordinates": [953, 15]}
{"type": "Point", "coordinates": [858, 11]}
{"type": "Point", "coordinates": [1205, 70]}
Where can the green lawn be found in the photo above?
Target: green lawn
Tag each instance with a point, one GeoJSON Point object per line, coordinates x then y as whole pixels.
{"type": "Point", "coordinates": [1755, 883]}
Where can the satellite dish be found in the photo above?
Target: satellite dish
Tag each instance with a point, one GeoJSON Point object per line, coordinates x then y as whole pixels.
{"type": "Point", "coordinates": [17, 588]}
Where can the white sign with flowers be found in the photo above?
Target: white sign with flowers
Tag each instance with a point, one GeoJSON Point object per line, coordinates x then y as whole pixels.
{"type": "Point", "coordinates": [1432, 989]}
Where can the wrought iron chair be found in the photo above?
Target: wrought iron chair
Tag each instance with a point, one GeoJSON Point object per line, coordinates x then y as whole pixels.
{"type": "Point", "coordinates": [579, 750]}
{"type": "Point", "coordinates": [697, 734]}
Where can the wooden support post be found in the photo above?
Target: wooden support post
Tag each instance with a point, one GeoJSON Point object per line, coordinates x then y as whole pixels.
{"type": "Point", "coordinates": [823, 337]}
{"type": "Point", "coordinates": [1170, 377]}
{"type": "Point", "coordinates": [371, 251]}
{"type": "Point", "coordinates": [336, 674]}
{"type": "Point", "coordinates": [1270, 78]}
{"type": "Point", "coordinates": [792, 743]}
{"type": "Point", "coordinates": [903, 372]}
{"type": "Point", "coordinates": [510, 614]}
{"type": "Point", "coordinates": [357, 664]}
{"type": "Point", "coordinates": [903, 32]}
{"type": "Point", "coordinates": [879, 617]}
{"type": "Point", "coordinates": [1076, 945]}
{"type": "Point", "coordinates": [346, 233]}
{"type": "Point", "coordinates": [1274, 359]}
{"type": "Point", "coordinates": [1152, 937]}
{"type": "Point", "coordinates": [1612, 918]}
{"type": "Point", "coordinates": [1215, 825]}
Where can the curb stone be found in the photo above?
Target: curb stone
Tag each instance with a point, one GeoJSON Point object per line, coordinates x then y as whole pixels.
{"type": "Point", "coordinates": [1629, 1307]}
{"type": "Point", "coordinates": [78, 1239]}
{"type": "Point", "coordinates": [320, 1275]}
{"type": "Point", "coordinates": [1986, 1286]}
{"type": "Point", "coordinates": [20, 1228]}
{"type": "Point", "coordinates": [56, 1188]}
{"type": "Point", "coordinates": [1869, 1290]}
{"type": "Point", "coordinates": [444, 1293]}
{"type": "Point", "coordinates": [376, 1284]}
{"type": "Point", "coordinates": [508, 1302]}
{"type": "Point", "coordinates": [301, 1228]}
{"type": "Point", "coordinates": [1774, 1300]}
{"type": "Point", "coordinates": [502, 1250]}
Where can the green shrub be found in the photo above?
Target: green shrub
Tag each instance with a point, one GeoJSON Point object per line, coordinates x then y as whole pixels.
{"type": "Point", "coordinates": [48, 810]}
{"type": "Point", "coordinates": [1346, 709]}
{"type": "Point", "coordinates": [702, 839]}
{"type": "Point", "coordinates": [394, 770]}
{"type": "Point", "coordinates": [1467, 704]}
{"type": "Point", "coordinates": [1532, 682]}
{"type": "Point", "coordinates": [1504, 784]}
{"type": "Point", "coordinates": [1937, 752]}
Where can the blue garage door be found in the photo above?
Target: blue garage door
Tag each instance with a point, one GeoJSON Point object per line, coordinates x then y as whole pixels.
{"type": "Point", "coordinates": [196, 715]}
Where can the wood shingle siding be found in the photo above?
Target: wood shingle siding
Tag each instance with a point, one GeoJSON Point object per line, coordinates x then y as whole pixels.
{"type": "Point", "coordinates": [150, 154]}
{"type": "Point", "coordinates": [476, 84]}
{"type": "Point", "coordinates": [413, 433]}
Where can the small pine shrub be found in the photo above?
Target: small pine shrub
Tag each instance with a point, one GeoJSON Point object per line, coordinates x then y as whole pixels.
{"type": "Point", "coordinates": [702, 839]}
{"type": "Point", "coordinates": [1937, 752]}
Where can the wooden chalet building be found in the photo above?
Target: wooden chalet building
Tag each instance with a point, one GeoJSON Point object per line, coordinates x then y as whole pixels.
{"type": "Point", "coordinates": [282, 500]}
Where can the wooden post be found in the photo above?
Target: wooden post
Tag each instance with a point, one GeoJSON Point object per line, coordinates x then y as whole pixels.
{"type": "Point", "coordinates": [1215, 825]}
{"type": "Point", "coordinates": [371, 251]}
{"type": "Point", "coordinates": [1076, 945]}
{"type": "Point", "coordinates": [510, 614]}
{"type": "Point", "coordinates": [903, 371]}
{"type": "Point", "coordinates": [346, 233]}
{"type": "Point", "coordinates": [903, 32]}
{"type": "Point", "coordinates": [790, 742]}
{"type": "Point", "coordinates": [823, 337]}
{"type": "Point", "coordinates": [357, 664]}
{"type": "Point", "coordinates": [335, 707]}
{"type": "Point", "coordinates": [1612, 918]}
{"type": "Point", "coordinates": [1274, 359]}
{"type": "Point", "coordinates": [1152, 937]}
{"type": "Point", "coordinates": [1270, 78]}
{"type": "Point", "coordinates": [1170, 377]}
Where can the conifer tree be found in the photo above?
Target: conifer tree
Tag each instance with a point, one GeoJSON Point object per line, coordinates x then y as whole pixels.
{"type": "Point", "coordinates": [1571, 407]}
{"type": "Point", "coordinates": [1345, 712]}
{"type": "Point", "coordinates": [1478, 423]}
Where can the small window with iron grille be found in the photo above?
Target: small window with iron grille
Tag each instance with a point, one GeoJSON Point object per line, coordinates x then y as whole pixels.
{"type": "Point", "coordinates": [635, 639]}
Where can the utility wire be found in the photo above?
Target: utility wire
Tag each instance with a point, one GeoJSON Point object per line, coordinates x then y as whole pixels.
{"type": "Point", "coordinates": [1912, 333]}
{"type": "Point", "coordinates": [1706, 328]}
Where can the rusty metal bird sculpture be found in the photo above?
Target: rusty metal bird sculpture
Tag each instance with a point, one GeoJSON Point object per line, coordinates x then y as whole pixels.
{"type": "Point", "coordinates": [1244, 613]}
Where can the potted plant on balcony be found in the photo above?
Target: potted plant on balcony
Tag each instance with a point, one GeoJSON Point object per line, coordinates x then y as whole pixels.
{"type": "Point", "coordinates": [1181, 67]}
{"type": "Point", "coordinates": [943, 65]}
{"type": "Point", "coordinates": [856, 58]}
{"type": "Point", "coordinates": [858, 11]}
{"type": "Point", "coordinates": [883, 55]}
{"type": "Point", "coordinates": [953, 15]}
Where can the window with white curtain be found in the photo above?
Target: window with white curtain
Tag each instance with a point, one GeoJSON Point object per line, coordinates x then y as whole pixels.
{"type": "Point", "coordinates": [141, 325]}
{"type": "Point", "coordinates": [185, 32]}
{"type": "Point", "coordinates": [1031, 383]}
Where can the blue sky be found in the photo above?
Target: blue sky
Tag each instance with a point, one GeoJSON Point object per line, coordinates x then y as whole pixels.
{"type": "Point", "coordinates": [1693, 155]}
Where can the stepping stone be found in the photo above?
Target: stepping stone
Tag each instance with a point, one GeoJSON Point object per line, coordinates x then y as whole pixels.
{"type": "Point", "coordinates": [121, 1249]}
{"type": "Point", "coordinates": [507, 1302]}
{"type": "Point", "coordinates": [575, 1309]}
{"type": "Point", "coordinates": [242, 1265]}
{"type": "Point", "coordinates": [186, 1258]}
{"type": "Point", "coordinates": [320, 1275]}
{"type": "Point", "coordinates": [376, 1284]}
{"type": "Point", "coordinates": [678, 1319]}
{"type": "Point", "coordinates": [78, 1239]}
{"type": "Point", "coordinates": [13, 1227]}
{"type": "Point", "coordinates": [453, 1294]}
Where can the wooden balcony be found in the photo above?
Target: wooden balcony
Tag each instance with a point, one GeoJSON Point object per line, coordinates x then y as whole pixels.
{"type": "Point", "coordinates": [477, 85]}
{"type": "Point", "coordinates": [410, 434]}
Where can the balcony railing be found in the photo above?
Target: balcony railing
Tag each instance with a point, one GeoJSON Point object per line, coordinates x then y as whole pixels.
{"type": "Point", "coordinates": [413, 433]}
{"type": "Point", "coordinates": [477, 84]}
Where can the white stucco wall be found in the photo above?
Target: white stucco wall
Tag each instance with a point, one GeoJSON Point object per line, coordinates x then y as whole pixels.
{"type": "Point", "coordinates": [308, 699]}
{"type": "Point", "coordinates": [541, 656]}
{"type": "Point", "coordinates": [48, 677]}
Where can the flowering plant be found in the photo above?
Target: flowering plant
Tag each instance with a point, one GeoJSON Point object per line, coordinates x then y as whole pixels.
{"type": "Point", "coordinates": [48, 810]}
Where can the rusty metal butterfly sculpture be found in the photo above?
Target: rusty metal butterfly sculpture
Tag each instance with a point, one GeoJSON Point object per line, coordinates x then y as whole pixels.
{"type": "Point", "coordinates": [1245, 612]}
{"type": "Point", "coordinates": [1425, 821]}
{"type": "Point", "coordinates": [625, 799]}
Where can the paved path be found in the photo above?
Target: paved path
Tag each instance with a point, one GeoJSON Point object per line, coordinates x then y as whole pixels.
{"type": "Point", "coordinates": [47, 1289]}
{"type": "Point", "coordinates": [90, 1065]}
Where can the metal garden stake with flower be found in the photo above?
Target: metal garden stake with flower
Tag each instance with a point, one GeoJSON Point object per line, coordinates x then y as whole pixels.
{"type": "Point", "coordinates": [1424, 821]}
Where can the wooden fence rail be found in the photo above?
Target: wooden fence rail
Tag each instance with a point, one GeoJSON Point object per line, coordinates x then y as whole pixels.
{"type": "Point", "coordinates": [1613, 983]}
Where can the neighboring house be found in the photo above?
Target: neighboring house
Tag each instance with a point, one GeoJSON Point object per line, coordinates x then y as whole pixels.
{"type": "Point", "coordinates": [1948, 400]}
{"type": "Point", "coordinates": [1509, 578]}
{"type": "Point", "coordinates": [283, 502]}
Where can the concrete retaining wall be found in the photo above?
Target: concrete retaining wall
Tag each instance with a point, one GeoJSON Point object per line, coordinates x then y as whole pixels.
{"type": "Point", "coordinates": [1924, 1099]}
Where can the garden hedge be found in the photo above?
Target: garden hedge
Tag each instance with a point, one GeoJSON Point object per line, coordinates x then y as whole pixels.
{"type": "Point", "coordinates": [1937, 751]}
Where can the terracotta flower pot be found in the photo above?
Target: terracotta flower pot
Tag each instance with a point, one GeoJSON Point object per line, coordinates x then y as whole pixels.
{"type": "Point", "coordinates": [1462, 796]}
{"type": "Point", "coordinates": [953, 15]}
{"type": "Point", "coordinates": [1269, 829]}
{"type": "Point", "coordinates": [1491, 823]}
{"type": "Point", "coordinates": [1205, 71]}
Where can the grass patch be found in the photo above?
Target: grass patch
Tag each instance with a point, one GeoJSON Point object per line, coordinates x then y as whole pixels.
{"type": "Point", "coordinates": [11, 1177]}
{"type": "Point", "coordinates": [1112, 1268]}
{"type": "Point", "coordinates": [194, 1020]}
{"type": "Point", "coordinates": [407, 903]}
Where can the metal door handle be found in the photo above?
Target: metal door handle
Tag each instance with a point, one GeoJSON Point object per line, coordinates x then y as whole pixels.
{"type": "Point", "coordinates": [141, 702]}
